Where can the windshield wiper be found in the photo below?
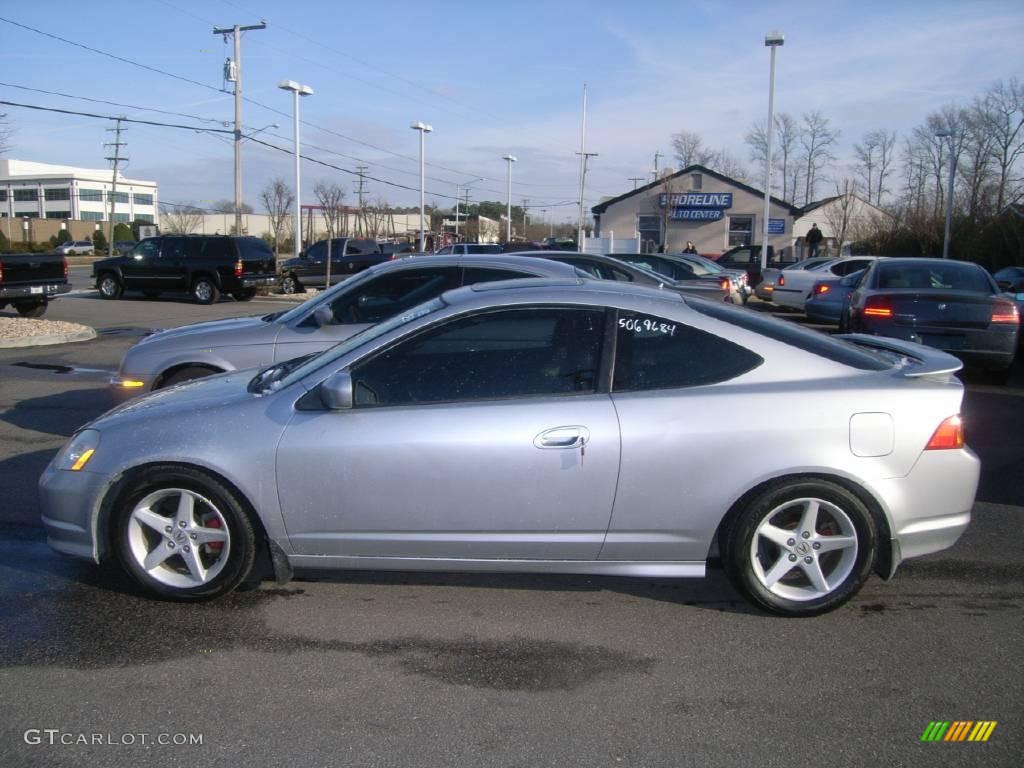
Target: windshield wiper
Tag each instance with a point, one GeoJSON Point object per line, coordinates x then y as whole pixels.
{"type": "Point", "coordinates": [265, 379]}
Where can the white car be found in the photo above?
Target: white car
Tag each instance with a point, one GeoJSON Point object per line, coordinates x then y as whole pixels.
{"type": "Point", "coordinates": [766, 287]}
{"type": "Point", "coordinates": [75, 248]}
{"type": "Point", "coordinates": [793, 287]}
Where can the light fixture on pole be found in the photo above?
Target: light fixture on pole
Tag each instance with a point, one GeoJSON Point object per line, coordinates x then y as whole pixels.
{"type": "Point", "coordinates": [508, 224]}
{"type": "Point", "coordinates": [458, 190]}
{"type": "Point", "coordinates": [297, 90]}
{"type": "Point", "coordinates": [772, 40]}
{"type": "Point", "coordinates": [424, 129]}
{"type": "Point", "coordinates": [947, 133]}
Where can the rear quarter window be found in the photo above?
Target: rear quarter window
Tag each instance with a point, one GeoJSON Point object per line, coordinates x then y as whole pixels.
{"type": "Point", "coordinates": [253, 248]}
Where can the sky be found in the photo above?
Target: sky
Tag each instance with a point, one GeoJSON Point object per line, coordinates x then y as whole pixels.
{"type": "Point", "coordinates": [492, 78]}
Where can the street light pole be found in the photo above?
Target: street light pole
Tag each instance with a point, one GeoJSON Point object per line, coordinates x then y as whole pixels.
{"type": "Point", "coordinates": [297, 90]}
{"type": "Point", "coordinates": [948, 134]}
{"type": "Point", "coordinates": [508, 224]}
{"type": "Point", "coordinates": [772, 40]}
{"type": "Point", "coordinates": [424, 129]}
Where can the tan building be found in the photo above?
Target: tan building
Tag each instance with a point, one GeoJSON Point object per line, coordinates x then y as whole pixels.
{"type": "Point", "coordinates": [699, 205]}
{"type": "Point", "coordinates": [843, 219]}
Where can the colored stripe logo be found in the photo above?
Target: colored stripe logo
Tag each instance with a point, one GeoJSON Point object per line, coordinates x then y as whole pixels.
{"type": "Point", "coordinates": [958, 730]}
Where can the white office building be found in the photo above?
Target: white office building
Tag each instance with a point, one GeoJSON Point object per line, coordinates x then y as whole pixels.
{"type": "Point", "coordinates": [44, 191]}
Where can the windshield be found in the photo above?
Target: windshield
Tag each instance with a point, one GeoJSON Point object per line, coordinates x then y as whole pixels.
{"type": "Point", "coordinates": [300, 311]}
{"type": "Point", "coordinates": [287, 373]}
{"type": "Point", "coordinates": [700, 263]}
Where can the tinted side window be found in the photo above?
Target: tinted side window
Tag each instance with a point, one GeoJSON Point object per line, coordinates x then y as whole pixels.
{"type": "Point", "coordinates": [509, 353]}
{"type": "Point", "coordinates": [385, 295]}
{"type": "Point", "coordinates": [316, 252]}
{"type": "Point", "coordinates": [446, 250]}
{"type": "Point", "coordinates": [473, 275]}
{"type": "Point", "coordinates": [174, 248]}
{"type": "Point", "coordinates": [147, 248]}
{"type": "Point", "coordinates": [218, 248]}
{"type": "Point", "coordinates": [253, 248]}
{"type": "Point", "coordinates": [655, 353]}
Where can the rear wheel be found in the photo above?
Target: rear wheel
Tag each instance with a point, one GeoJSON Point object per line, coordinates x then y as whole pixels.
{"type": "Point", "coordinates": [33, 309]}
{"type": "Point", "coordinates": [109, 286]}
{"type": "Point", "coordinates": [183, 535]}
{"type": "Point", "coordinates": [801, 547]}
{"type": "Point", "coordinates": [204, 291]}
{"type": "Point", "coordinates": [246, 294]}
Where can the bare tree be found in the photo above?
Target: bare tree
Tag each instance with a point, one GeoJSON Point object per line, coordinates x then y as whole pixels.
{"type": "Point", "coordinates": [866, 156]}
{"type": "Point", "coordinates": [785, 139]}
{"type": "Point", "coordinates": [332, 203]}
{"type": "Point", "coordinates": [1003, 110]}
{"type": "Point", "coordinates": [886, 155]}
{"type": "Point", "coordinates": [839, 214]}
{"type": "Point", "coordinates": [278, 200]}
{"type": "Point", "coordinates": [690, 149]}
{"type": "Point", "coordinates": [228, 206]}
{"type": "Point", "coordinates": [6, 134]}
{"type": "Point", "coordinates": [376, 216]}
{"type": "Point", "coordinates": [180, 219]}
{"type": "Point", "coordinates": [816, 139]}
{"type": "Point", "coordinates": [729, 165]}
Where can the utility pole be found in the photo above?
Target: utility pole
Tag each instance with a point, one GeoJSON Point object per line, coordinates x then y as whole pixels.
{"type": "Point", "coordinates": [233, 73]}
{"type": "Point", "coordinates": [115, 162]}
{"type": "Point", "coordinates": [636, 180]}
{"type": "Point", "coordinates": [526, 205]}
{"type": "Point", "coordinates": [551, 223]}
{"type": "Point", "coordinates": [656, 156]}
{"type": "Point", "coordinates": [361, 219]}
{"type": "Point", "coordinates": [583, 180]}
{"type": "Point", "coordinates": [583, 168]}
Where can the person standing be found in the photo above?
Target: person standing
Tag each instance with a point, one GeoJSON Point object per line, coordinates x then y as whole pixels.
{"type": "Point", "coordinates": [690, 247]}
{"type": "Point", "coordinates": [814, 238]}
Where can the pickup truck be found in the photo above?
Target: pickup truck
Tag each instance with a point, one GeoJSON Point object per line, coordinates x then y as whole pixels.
{"type": "Point", "coordinates": [348, 256]}
{"type": "Point", "coordinates": [28, 281]}
{"type": "Point", "coordinates": [748, 257]}
{"type": "Point", "coordinates": [203, 265]}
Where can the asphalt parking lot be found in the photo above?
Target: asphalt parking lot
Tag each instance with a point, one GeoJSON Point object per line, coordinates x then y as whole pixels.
{"type": "Point", "coordinates": [428, 670]}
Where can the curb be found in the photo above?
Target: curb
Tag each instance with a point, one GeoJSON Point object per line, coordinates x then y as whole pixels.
{"type": "Point", "coordinates": [55, 338]}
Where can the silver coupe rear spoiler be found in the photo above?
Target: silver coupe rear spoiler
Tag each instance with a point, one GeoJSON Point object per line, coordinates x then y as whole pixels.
{"type": "Point", "coordinates": [923, 361]}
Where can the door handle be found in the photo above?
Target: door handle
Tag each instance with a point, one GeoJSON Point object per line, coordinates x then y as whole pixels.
{"type": "Point", "coordinates": [562, 437]}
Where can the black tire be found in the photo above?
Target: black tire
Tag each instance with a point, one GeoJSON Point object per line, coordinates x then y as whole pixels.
{"type": "Point", "coordinates": [246, 294]}
{"type": "Point", "coordinates": [213, 502]}
{"type": "Point", "coordinates": [151, 294]}
{"type": "Point", "coordinates": [840, 514]}
{"type": "Point", "coordinates": [109, 286]}
{"type": "Point", "coordinates": [204, 291]}
{"type": "Point", "coordinates": [189, 373]}
{"type": "Point", "coordinates": [36, 309]}
{"type": "Point", "coordinates": [290, 284]}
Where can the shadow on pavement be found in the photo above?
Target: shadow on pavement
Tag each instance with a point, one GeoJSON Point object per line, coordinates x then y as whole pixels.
{"type": "Point", "coordinates": [994, 423]}
{"type": "Point", "coordinates": [61, 413]}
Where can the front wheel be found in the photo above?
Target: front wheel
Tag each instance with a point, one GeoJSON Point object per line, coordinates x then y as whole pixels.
{"type": "Point", "coordinates": [291, 284]}
{"type": "Point", "coordinates": [109, 287]}
{"type": "Point", "coordinates": [801, 547]}
{"type": "Point", "coordinates": [182, 535]}
{"type": "Point", "coordinates": [35, 309]}
{"type": "Point", "coordinates": [204, 291]}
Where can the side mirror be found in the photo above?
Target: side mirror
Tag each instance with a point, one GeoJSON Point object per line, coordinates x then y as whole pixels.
{"type": "Point", "coordinates": [323, 315]}
{"type": "Point", "coordinates": [336, 391]}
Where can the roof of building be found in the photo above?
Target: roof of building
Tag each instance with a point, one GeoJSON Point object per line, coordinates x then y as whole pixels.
{"type": "Point", "coordinates": [695, 168]}
{"type": "Point", "coordinates": [818, 204]}
{"type": "Point", "coordinates": [17, 170]}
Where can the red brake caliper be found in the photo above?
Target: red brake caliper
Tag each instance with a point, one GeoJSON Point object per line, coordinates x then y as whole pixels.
{"type": "Point", "coordinates": [215, 546]}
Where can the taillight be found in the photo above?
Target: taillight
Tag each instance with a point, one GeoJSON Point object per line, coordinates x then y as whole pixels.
{"type": "Point", "coordinates": [781, 281]}
{"type": "Point", "coordinates": [725, 284]}
{"type": "Point", "coordinates": [821, 288]}
{"type": "Point", "coordinates": [1, 271]}
{"type": "Point", "coordinates": [65, 267]}
{"type": "Point", "coordinates": [238, 268]}
{"type": "Point", "coordinates": [877, 306]}
{"type": "Point", "coordinates": [392, 257]}
{"type": "Point", "coordinates": [949, 434]}
{"type": "Point", "coordinates": [1005, 312]}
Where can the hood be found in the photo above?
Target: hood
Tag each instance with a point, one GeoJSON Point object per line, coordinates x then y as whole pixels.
{"type": "Point", "coordinates": [188, 399]}
{"type": "Point", "coordinates": [234, 331]}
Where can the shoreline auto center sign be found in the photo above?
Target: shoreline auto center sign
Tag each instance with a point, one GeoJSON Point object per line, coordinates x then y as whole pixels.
{"type": "Point", "coordinates": [696, 206]}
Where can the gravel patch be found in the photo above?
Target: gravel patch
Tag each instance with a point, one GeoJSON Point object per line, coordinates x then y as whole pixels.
{"type": "Point", "coordinates": [25, 332]}
{"type": "Point", "coordinates": [296, 297]}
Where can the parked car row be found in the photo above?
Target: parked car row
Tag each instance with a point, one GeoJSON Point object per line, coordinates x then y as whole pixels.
{"type": "Point", "coordinates": [376, 420]}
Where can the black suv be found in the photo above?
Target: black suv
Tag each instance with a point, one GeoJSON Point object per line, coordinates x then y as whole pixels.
{"type": "Point", "coordinates": [203, 265]}
{"type": "Point", "coordinates": [348, 255]}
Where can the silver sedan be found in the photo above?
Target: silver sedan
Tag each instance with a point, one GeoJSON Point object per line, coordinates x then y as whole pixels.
{"type": "Point", "coordinates": [555, 426]}
{"type": "Point", "coordinates": [203, 349]}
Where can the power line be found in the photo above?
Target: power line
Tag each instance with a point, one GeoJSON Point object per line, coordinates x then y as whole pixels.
{"type": "Point", "coordinates": [196, 128]}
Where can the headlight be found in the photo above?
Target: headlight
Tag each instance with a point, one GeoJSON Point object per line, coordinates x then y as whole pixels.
{"type": "Point", "coordinates": [78, 451]}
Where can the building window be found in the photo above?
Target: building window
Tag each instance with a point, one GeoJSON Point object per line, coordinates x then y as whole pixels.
{"type": "Point", "coordinates": [146, 217]}
{"type": "Point", "coordinates": [58, 214]}
{"type": "Point", "coordinates": [141, 199]}
{"type": "Point", "coordinates": [741, 230]}
{"type": "Point", "coordinates": [57, 194]}
{"type": "Point", "coordinates": [26, 195]}
{"type": "Point", "coordinates": [26, 214]}
{"type": "Point", "coordinates": [120, 197]}
{"type": "Point", "coordinates": [122, 217]}
{"type": "Point", "coordinates": [91, 216]}
{"type": "Point", "coordinates": [650, 233]}
{"type": "Point", "coordinates": [3, 195]}
{"type": "Point", "coordinates": [91, 195]}
{"type": "Point", "coordinates": [697, 181]}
